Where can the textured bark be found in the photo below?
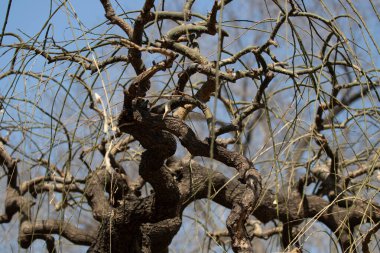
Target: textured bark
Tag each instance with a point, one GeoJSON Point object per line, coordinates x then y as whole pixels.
{"type": "Point", "coordinates": [154, 123]}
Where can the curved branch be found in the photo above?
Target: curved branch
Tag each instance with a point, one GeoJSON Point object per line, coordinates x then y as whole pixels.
{"type": "Point", "coordinates": [94, 192]}
{"type": "Point", "coordinates": [194, 181]}
{"type": "Point", "coordinates": [111, 16]}
{"type": "Point", "coordinates": [248, 174]}
{"type": "Point", "coordinates": [29, 230]}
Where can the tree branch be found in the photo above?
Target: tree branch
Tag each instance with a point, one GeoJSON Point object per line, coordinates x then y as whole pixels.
{"type": "Point", "coordinates": [111, 16]}
{"type": "Point", "coordinates": [30, 231]}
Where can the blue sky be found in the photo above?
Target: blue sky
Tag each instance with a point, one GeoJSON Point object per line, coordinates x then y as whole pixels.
{"type": "Point", "coordinates": [29, 16]}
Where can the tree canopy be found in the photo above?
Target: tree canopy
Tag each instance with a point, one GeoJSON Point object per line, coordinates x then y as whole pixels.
{"type": "Point", "coordinates": [191, 126]}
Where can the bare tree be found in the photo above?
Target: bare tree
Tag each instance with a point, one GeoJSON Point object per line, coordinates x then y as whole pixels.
{"type": "Point", "coordinates": [257, 119]}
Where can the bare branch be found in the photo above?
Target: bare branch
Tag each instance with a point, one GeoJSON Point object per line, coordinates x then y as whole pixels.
{"type": "Point", "coordinates": [111, 16]}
